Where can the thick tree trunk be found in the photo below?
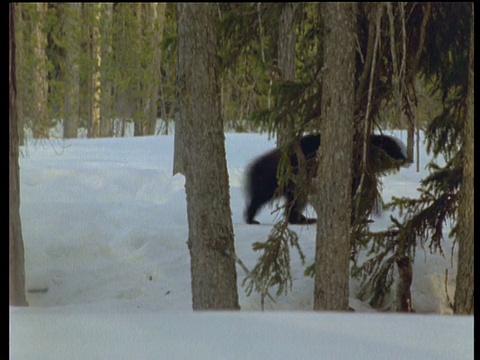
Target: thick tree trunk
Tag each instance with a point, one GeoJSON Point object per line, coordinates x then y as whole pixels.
{"type": "Point", "coordinates": [20, 54]}
{"type": "Point", "coordinates": [287, 39]}
{"type": "Point", "coordinates": [210, 239]}
{"type": "Point", "coordinates": [333, 185]}
{"type": "Point", "coordinates": [72, 70]}
{"type": "Point", "coordinates": [16, 252]}
{"type": "Point", "coordinates": [463, 302]}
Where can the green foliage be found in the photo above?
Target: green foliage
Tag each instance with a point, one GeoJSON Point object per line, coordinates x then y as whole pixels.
{"type": "Point", "coordinates": [273, 266]}
{"type": "Point", "coordinates": [443, 65]}
{"type": "Point", "coordinates": [377, 273]}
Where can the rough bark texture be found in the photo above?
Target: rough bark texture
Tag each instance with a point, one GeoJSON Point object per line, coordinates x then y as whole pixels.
{"type": "Point", "coordinates": [463, 302]}
{"type": "Point", "coordinates": [94, 80]}
{"type": "Point", "coordinates": [16, 251]}
{"type": "Point", "coordinates": [39, 76]}
{"type": "Point", "coordinates": [287, 39]}
{"type": "Point", "coordinates": [333, 195]}
{"type": "Point", "coordinates": [210, 239]}
{"type": "Point", "coordinates": [106, 94]}
{"type": "Point", "coordinates": [72, 73]}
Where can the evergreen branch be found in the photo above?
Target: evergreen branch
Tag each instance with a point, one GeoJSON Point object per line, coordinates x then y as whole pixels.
{"type": "Point", "coordinates": [258, 283]}
{"type": "Point", "coordinates": [273, 267]}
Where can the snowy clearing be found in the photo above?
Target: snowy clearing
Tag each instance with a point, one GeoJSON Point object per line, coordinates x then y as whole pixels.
{"type": "Point", "coordinates": [108, 277]}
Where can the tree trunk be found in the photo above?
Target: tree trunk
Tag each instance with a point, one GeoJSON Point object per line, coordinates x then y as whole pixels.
{"type": "Point", "coordinates": [287, 39]}
{"type": "Point", "coordinates": [94, 80]}
{"type": "Point", "coordinates": [156, 17]}
{"type": "Point", "coordinates": [106, 95]}
{"type": "Point", "coordinates": [210, 239]}
{"type": "Point", "coordinates": [39, 75]}
{"type": "Point", "coordinates": [20, 68]}
{"type": "Point", "coordinates": [332, 200]}
{"type": "Point", "coordinates": [72, 70]}
{"type": "Point", "coordinates": [16, 252]}
{"type": "Point", "coordinates": [139, 118]}
{"type": "Point", "coordinates": [463, 302]}
{"type": "Point", "coordinates": [410, 140]}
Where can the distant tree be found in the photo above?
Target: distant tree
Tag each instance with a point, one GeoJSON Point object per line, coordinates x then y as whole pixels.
{"type": "Point", "coordinates": [107, 67]}
{"type": "Point", "coordinates": [39, 73]}
{"type": "Point", "coordinates": [92, 13]}
{"type": "Point", "coordinates": [72, 16]}
{"type": "Point", "coordinates": [333, 188]}
{"type": "Point", "coordinates": [464, 292]}
{"type": "Point", "coordinates": [210, 239]}
{"type": "Point", "coordinates": [156, 23]}
{"type": "Point", "coordinates": [16, 251]}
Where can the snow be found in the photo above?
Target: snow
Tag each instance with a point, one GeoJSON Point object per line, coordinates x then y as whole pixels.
{"type": "Point", "coordinates": [108, 275]}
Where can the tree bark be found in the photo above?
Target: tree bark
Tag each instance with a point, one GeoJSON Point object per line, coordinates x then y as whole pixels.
{"type": "Point", "coordinates": [106, 95]}
{"type": "Point", "coordinates": [39, 76]}
{"type": "Point", "coordinates": [16, 251]}
{"type": "Point", "coordinates": [138, 118]}
{"type": "Point", "coordinates": [20, 68]}
{"type": "Point", "coordinates": [156, 16]}
{"type": "Point", "coordinates": [332, 200]}
{"type": "Point", "coordinates": [464, 295]}
{"type": "Point", "coordinates": [93, 11]}
{"type": "Point", "coordinates": [287, 39]}
{"type": "Point", "coordinates": [210, 239]}
{"type": "Point", "coordinates": [72, 70]}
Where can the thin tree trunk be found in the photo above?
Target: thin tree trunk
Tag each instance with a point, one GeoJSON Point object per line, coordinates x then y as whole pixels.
{"type": "Point", "coordinates": [139, 119]}
{"type": "Point", "coordinates": [106, 95]}
{"type": "Point", "coordinates": [157, 22]}
{"type": "Point", "coordinates": [410, 140]}
{"type": "Point", "coordinates": [210, 239]}
{"type": "Point", "coordinates": [72, 70]}
{"type": "Point", "coordinates": [333, 185]}
{"type": "Point", "coordinates": [40, 92]}
{"type": "Point", "coordinates": [464, 296]}
{"type": "Point", "coordinates": [94, 80]}
{"type": "Point", "coordinates": [16, 251]}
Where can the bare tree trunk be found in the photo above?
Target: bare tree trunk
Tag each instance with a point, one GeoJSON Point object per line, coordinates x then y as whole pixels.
{"type": "Point", "coordinates": [156, 16]}
{"type": "Point", "coordinates": [94, 83]}
{"type": "Point", "coordinates": [20, 54]}
{"type": "Point", "coordinates": [106, 95]}
{"type": "Point", "coordinates": [123, 46]}
{"type": "Point", "coordinates": [72, 70]}
{"type": "Point", "coordinates": [16, 252]}
{"type": "Point", "coordinates": [333, 185]}
{"type": "Point", "coordinates": [410, 140]}
{"type": "Point", "coordinates": [39, 75]}
{"type": "Point", "coordinates": [210, 239]}
{"type": "Point", "coordinates": [464, 296]}
{"type": "Point", "coordinates": [287, 39]}
{"type": "Point", "coordinates": [139, 119]}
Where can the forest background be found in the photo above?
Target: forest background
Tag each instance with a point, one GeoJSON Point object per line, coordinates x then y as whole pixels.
{"type": "Point", "coordinates": [97, 67]}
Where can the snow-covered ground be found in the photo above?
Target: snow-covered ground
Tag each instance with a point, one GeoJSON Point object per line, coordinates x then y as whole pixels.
{"type": "Point", "coordinates": [108, 277]}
